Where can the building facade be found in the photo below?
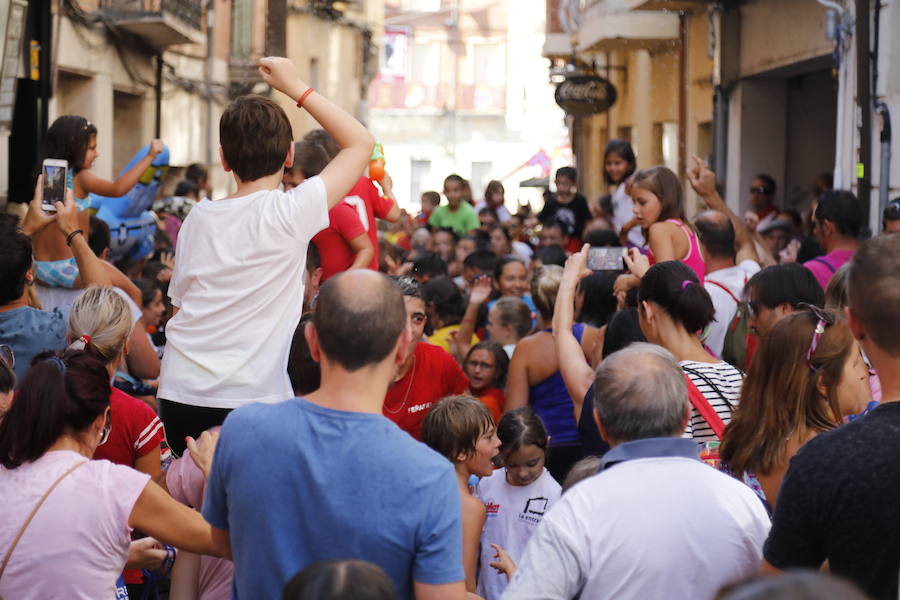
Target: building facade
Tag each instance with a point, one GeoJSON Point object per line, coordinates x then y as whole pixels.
{"type": "Point", "coordinates": [462, 88]}
{"type": "Point", "coordinates": [752, 86]}
{"type": "Point", "coordinates": [139, 69]}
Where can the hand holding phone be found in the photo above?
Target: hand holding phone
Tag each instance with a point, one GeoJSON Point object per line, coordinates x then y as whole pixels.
{"type": "Point", "coordinates": [55, 172]}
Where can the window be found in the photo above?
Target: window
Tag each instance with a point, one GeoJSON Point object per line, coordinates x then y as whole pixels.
{"type": "Point", "coordinates": [481, 174]}
{"type": "Point", "coordinates": [419, 173]}
{"type": "Point", "coordinates": [241, 29]}
{"type": "Point", "coordinates": [490, 64]}
{"type": "Point", "coordinates": [425, 64]}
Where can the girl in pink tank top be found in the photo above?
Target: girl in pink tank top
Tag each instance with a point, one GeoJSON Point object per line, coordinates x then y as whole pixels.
{"type": "Point", "coordinates": [659, 207]}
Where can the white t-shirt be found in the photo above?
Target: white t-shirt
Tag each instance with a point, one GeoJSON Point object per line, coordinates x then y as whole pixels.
{"type": "Point", "coordinates": [724, 397]}
{"type": "Point", "coordinates": [623, 211]}
{"type": "Point", "coordinates": [502, 214]}
{"type": "Point", "coordinates": [513, 513]}
{"type": "Point", "coordinates": [78, 542]}
{"type": "Point", "coordinates": [734, 279]}
{"type": "Point", "coordinates": [667, 527]}
{"type": "Point", "coordinates": [238, 281]}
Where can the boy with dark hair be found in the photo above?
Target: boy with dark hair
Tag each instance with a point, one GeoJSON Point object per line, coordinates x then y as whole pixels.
{"type": "Point", "coordinates": [364, 197]}
{"type": "Point", "coordinates": [428, 373]}
{"type": "Point", "coordinates": [236, 280]}
{"type": "Point", "coordinates": [568, 206]}
{"type": "Point", "coordinates": [457, 214]}
{"type": "Point", "coordinates": [779, 290]}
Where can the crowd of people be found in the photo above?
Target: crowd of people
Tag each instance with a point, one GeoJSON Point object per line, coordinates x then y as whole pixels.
{"type": "Point", "coordinates": [307, 392]}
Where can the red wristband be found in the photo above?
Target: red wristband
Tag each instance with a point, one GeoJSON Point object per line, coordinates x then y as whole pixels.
{"type": "Point", "coordinates": [303, 97]}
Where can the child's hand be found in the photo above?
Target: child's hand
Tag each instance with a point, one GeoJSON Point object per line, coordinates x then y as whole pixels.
{"type": "Point", "coordinates": [203, 449]}
{"type": "Point", "coordinates": [281, 74]}
{"type": "Point", "coordinates": [156, 147]}
{"type": "Point", "coordinates": [576, 267]}
{"type": "Point", "coordinates": [481, 289]}
{"type": "Point", "coordinates": [503, 564]}
{"type": "Point", "coordinates": [636, 262]}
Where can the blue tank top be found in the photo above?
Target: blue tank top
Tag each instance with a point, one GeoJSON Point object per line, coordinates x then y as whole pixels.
{"type": "Point", "coordinates": [551, 401]}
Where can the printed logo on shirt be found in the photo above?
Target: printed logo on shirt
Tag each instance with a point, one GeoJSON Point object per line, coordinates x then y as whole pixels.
{"type": "Point", "coordinates": [492, 508]}
{"type": "Point", "coordinates": [534, 510]}
{"type": "Point", "coordinates": [419, 407]}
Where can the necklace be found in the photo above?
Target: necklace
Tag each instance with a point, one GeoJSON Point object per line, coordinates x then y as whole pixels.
{"type": "Point", "coordinates": [412, 376]}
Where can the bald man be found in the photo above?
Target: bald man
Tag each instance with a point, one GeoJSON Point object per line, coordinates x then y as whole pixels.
{"type": "Point", "coordinates": [328, 476]}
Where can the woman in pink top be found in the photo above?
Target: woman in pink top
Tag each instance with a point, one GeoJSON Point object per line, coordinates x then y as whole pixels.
{"type": "Point", "coordinates": [67, 520]}
{"type": "Point", "coordinates": [659, 208]}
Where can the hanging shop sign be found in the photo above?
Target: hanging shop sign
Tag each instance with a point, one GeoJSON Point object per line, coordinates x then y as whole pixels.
{"type": "Point", "coordinates": [582, 95]}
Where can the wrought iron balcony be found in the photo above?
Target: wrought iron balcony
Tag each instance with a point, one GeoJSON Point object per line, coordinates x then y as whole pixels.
{"type": "Point", "coordinates": [160, 23]}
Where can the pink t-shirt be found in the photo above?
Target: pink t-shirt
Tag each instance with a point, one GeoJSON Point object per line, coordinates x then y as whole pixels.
{"type": "Point", "coordinates": [187, 485]}
{"type": "Point", "coordinates": [824, 267]}
{"type": "Point", "coordinates": [77, 544]}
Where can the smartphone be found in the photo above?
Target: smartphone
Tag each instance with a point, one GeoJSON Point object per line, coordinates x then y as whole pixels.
{"type": "Point", "coordinates": [606, 258]}
{"type": "Point", "coordinates": [55, 172]}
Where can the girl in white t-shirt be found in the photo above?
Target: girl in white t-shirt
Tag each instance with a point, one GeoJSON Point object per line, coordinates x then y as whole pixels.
{"type": "Point", "coordinates": [515, 497]}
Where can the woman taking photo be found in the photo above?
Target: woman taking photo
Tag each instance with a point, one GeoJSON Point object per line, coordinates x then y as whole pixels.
{"type": "Point", "coordinates": [807, 377]}
{"type": "Point", "coordinates": [67, 519]}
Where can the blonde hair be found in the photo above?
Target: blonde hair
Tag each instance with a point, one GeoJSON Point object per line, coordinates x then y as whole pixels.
{"type": "Point", "coordinates": [544, 287]}
{"type": "Point", "coordinates": [101, 314]}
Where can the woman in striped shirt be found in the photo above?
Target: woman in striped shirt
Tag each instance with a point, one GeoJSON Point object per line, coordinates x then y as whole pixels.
{"type": "Point", "coordinates": [673, 309]}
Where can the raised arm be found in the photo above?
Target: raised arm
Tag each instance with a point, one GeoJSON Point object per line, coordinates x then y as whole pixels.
{"type": "Point", "coordinates": [481, 291]}
{"type": "Point", "coordinates": [387, 190]}
{"type": "Point", "coordinates": [127, 180]}
{"type": "Point", "coordinates": [355, 140]}
{"type": "Point", "coordinates": [576, 372]}
{"type": "Point", "coordinates": [517, 379]}
{"type": "Point", "coordinates": [703, 180]}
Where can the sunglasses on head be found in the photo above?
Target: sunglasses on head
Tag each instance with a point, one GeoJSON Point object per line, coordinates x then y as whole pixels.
{"type": "Point", "coordinates": [824, 320]}
{"type": "Point", "coordinates": [761, 191]}
{"type": "Point", "coordinates": [892, 210]}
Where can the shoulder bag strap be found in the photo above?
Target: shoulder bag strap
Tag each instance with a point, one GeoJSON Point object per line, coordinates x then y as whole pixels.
{"type": "Point", "coordinates": [831, 268]}
{"type": "Point", "coordinates": [710, 383]}
{"type": "Point", "coordinates": [727, 291]}
{"type": "Point", "coordinates": [33, 513]}
{"type": "Point", "coordinates": [709, 414]}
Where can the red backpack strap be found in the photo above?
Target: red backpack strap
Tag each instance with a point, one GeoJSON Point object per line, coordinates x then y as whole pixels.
{"type": "Point", "coordinates": [727, 291]}
{"type": "Point", "coordinates": [699, 401]}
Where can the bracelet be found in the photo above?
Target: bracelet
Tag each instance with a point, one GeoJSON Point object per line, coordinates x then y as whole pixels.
{"type": "Point", "coordinates": [304, 96]}
{"type": "Point", "coordinates": [72, 235]}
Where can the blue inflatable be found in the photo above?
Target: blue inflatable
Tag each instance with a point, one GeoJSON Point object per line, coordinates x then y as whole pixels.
{"type": "Point", "coordinates": [131, 224]}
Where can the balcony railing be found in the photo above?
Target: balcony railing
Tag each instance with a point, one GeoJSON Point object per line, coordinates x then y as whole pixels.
{"type": "Point", "coordinates": [160, 22]}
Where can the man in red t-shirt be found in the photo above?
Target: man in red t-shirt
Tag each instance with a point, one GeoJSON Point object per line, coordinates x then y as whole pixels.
{"type": "Point", "coordinates": [364, 197]}
{"type": "Point", "coordinates": [428, 374]}
{"type": "Point", "coordinates": [344, 244]}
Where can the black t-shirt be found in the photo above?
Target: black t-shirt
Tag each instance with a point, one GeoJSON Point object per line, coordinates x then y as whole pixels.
{"type": "Point", "coordinates": [591, 442]}
{"type": "Point", "coordinates": [840, 501]}
{"type": "Point", "coordinates": [575, 214]}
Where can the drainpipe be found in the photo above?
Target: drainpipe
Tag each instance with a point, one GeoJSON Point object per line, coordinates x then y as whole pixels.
{"type": "Point", "coordinates": [864, 101]}
{"type": "Point", "coordinates": [884, 172]}
{"type": "Point", "coordinates": [682, 93]}
{"type": "Point", "coordinates": [208, 73]}
{"type": "Point", "coordinates": [158, 88]}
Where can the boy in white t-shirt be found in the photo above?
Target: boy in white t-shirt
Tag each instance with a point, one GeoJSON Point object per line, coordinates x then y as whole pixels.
{"type": "Point", "coordinates": [237, 286]}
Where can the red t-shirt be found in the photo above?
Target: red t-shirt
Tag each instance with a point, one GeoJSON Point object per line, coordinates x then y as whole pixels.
{"type": "Point", "coordinates": [333, 242]}
{"type": "Point", "coordinates": [136, 431]}
{"type": "Point", "coordinates": [434, 374]}
{"type": "Point", "coordinates": [369, 203]}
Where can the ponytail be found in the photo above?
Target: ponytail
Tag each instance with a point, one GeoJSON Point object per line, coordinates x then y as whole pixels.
{"type": "Point", "coordinates": [674, 286]}
{"type": "Point", "coordinates": [60, 394]}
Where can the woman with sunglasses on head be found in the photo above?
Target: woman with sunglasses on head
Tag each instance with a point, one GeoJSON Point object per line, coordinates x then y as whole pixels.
{"type": "Point", "coordinates": [100, 323]}
{"type": "Point", "coordinates": [807, 376]}
{"type": "Point", "coordinates": [66, 523]}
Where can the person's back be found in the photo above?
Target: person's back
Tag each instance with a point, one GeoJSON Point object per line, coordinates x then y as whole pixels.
{"type": "Point", "coordinates": [694, 529]}
{"type": "Point", "coordinates": [236, 282]}
{"type": "Point", "coordinates": [339, 480]}
{"type": "Point", "coordinates": [344, 484]}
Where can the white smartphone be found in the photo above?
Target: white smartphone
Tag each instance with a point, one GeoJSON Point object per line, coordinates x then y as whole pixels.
{"type": "Point", "coordinates": [55, 173]}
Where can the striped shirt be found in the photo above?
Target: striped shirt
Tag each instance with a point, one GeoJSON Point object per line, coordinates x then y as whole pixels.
{"type": "Point", "coordinates": [720, 383]}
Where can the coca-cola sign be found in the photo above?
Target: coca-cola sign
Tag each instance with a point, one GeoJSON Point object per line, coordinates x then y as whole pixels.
{"type": "Point", "coordinates": [582, 95]}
